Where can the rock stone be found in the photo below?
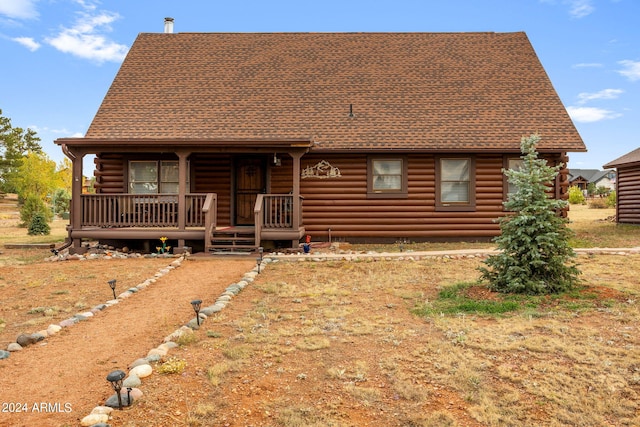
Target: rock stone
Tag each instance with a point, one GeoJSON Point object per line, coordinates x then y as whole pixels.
{"type": "Point", "coordinates": [102, 410]}
{"type": "Point", "coordinates": [153, 358]}
{"type": "Point", "coordinates": [25, 340]}
{"type": "Point", "coordinates": [37, 337]}
{"type": "Point", "coordinates": [53, 329]}
{"type": "Point", "coordinates": [93, 419]}
{"type": "Point", "coordinates": [142, 371]}
{"type": "Point", "coordinates": [112, 402]}
{"type": "Point", "coordinates": [135, 393]}
{"type": "Point", "coordinates": [193, 324]}
{"type": "Point", "coordinates": [131, 381]}
{"type": "Point", "coordinates": [14, 346]}
{"type": "Point", "coordinates": [4, 354]}
{"type": "Point", "coordinates": [138, 362]}
{"type": "Point", "coordinates": [68, 322]}
{"type": "Point", "coordinates": [210, 310]}
{"type": "Point", "coordinates": [158, 351]}
{"type": "Point", "coordinates": [168, 345]}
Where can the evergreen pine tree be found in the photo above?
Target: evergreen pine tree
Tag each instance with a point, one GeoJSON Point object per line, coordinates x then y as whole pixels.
{"type": "Point", "coordinates": [38, 225]}
{"type": "Point", "coordinates": [535, 255]}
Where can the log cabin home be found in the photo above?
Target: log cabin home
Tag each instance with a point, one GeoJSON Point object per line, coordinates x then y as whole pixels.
{"type": "Point", "coordinates": [627, 187]}
{"type": "Point", "coordinates": [238, 140]}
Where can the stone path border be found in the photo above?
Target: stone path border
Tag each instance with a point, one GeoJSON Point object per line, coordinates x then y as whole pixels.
{"type": "Point", "coordinates": [24, 340]}
{"type": "Point", "coordinates": [141, 368]}
{"type": "Point", "coordinates": [418, 255]}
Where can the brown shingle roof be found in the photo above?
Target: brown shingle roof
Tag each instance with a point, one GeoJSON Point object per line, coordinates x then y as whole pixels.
{"type": "Point", "coordinates": [458, 91]}
{"type": "Point", "coordinates": [630, 159]}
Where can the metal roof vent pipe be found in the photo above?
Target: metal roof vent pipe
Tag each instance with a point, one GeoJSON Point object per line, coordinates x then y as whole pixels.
{"type": "Point", "coordinates": [168, 25]}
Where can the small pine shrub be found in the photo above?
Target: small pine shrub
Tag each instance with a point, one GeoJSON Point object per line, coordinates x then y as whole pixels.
{"type": "Point", "coordinates": [535, 255]}
{"type": "Point", "coordinates": [612, 200]}
{"type": "Point", "coordinates": [38, 225]}
{"type": "Point", "coordinates": [576, 196]}
{"type": "Point", "coordinates": [30, 206]}
{"type": "Point", "coordinates": [61, 201]}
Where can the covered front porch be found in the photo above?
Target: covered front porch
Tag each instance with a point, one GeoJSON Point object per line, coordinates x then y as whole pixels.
{"type": "Point", "coordinates": [222, 196]}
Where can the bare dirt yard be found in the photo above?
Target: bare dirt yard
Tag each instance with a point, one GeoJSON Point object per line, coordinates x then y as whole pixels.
{"type": "Point", "coordinates": [371, 341]}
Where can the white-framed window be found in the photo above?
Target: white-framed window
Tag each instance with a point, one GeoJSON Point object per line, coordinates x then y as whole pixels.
{"type": "Point", "coordinates": [153, 177]}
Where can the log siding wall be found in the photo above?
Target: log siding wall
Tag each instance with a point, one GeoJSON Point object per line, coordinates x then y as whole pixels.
{"type": "Point", "coordinates": [628, 193]}
{"type": "Point", "coordinates": [340, 206]}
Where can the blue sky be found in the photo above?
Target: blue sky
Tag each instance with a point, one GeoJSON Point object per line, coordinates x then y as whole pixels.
{"type": "Point", "coordinates": [60, 56]}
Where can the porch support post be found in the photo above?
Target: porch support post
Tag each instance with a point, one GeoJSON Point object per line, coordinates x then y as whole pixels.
{"type": "Point", "coordinates": [182, 192]}
{"type": "Point", "coordinates": [75, 213]}
{"type": "Point", "coordinates": [296, 193]}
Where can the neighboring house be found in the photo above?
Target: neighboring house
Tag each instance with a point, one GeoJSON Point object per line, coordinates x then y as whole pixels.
{"type": "Point", "coordinates": [627, 187]}
{"type": "Point", "coordinates": [221, 140]}
{"type": "Point", "coordinates": [581, 178]}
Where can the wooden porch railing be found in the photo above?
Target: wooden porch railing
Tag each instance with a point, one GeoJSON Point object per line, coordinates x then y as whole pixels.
{"type": "Point", "coordinates": [210, 211]}
{"type": "Point", "coordinates": [275, 212]}
{"type": "Point", "coordinates": [140, 210]}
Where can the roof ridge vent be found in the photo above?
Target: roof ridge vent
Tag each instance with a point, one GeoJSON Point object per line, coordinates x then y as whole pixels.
{"type": "Point", "coordinates": [168, 25]}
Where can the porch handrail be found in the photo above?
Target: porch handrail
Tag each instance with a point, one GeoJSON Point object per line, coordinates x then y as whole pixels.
{"type": "Point", "coordinates": [276, 211]}
{"type": "Point", "coordinates": [210, 210]}
{"type": "Point", "coordinates": [139, 210]}
{"type": "Point", "coordinates": [257, 213]}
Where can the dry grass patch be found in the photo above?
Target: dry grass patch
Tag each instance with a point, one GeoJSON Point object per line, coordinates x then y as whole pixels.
{"type": "Point", "coordinates": [349, 328]}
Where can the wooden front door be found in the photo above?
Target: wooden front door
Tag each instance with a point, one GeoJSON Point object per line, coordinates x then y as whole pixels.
{"type": "Point", "coordinates": [250, 181]}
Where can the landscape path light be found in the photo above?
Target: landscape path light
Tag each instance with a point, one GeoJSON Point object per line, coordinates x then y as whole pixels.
{"type": "Point", "coordinates": [112, 285]}
{"type": "Point", "coordinates": [115, 378]}
{"type": "Point", "coordinates": [196, 307]}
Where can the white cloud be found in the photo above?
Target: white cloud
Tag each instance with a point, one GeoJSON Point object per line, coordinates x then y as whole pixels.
{"type": "Point", "coordinates": [587, 65]}
{"type": "Point", "coordinates": [19, 9]}
{"type": "Point", "coordinates": [591, 114]}
{"type": "Point", "coordinates": [27, 42]}
{"type": "Point", "coordinates": [86, 38]}
{"type": "Point", "coordinates": [631, 69]}
{"type": "Point", "coordinates": [577, 8]}
{"type": "Point", "coordinates": [580, 8]}
{"type": "Point", "coordinates": [585, 97]}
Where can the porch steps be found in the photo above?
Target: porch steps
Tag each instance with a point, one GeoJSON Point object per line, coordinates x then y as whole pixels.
{"type": "Point", "coordinates": [233, 239]}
